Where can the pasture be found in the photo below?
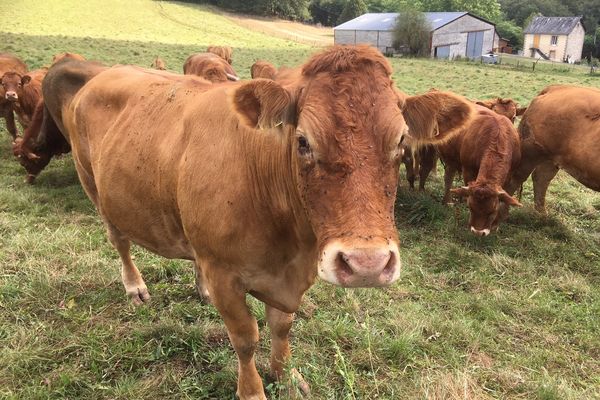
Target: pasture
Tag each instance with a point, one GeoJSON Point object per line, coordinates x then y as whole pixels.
{"type": "Point", "coordinates": [511, 316]}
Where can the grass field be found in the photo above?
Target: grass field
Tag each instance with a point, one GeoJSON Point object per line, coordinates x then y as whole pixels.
{"type": "Point", "coordinates": [512, 316]}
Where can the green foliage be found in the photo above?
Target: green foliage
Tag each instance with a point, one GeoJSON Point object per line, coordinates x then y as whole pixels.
{"type": "Point", "coordinates": [487, 9]}
{"type": "Point", "coordinates": [412, 32]}
{"type": "Point", "coordinates": [512, 32]}
{"type": "Point", "coordinates": [352, 9]}
{"type": "Point", "coordinates": [326, 12]}
{"type": "Point", "coordinates": [385, 6]}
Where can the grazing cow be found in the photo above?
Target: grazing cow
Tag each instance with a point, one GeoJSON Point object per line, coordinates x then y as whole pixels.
{"type": "Point", "coordinates": [263, 69]}
{"type": "Point", "coordinates": [225, 52]}
{"type": "Point", "coordinates": [159, 64]}
{"type": "Point", "coordinates": [60, 56]}
{"type": "Point", "coordinates": [263, 185]}
{"type": "Point", "coordinates": [24, 92]}
{"type": "Point", "coordinates": [209, 67]}
{"type": "Point", "coordinates": [45, 137]}
{"type": "Point", "coordinates": [507, 107]}
{"type": "Point", "coordinates": [9, 64]}
{"type": "Point", "coordinates": [560, 130]}
{"type": "Point", "coordinates": [486, 151]}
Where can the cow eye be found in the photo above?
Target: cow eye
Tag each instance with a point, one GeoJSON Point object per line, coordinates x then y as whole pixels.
{"type": "Point", "coordinates": [303, 146]}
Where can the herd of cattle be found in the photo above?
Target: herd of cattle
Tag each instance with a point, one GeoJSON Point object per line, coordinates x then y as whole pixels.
{"type": "Point", "coordinates": [265, 184]}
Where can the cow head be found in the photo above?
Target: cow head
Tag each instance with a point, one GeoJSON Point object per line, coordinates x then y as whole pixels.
{"type": "Point", "coordinates": [343, 124]}
{"type": "Point", "coordinates": [485, 202]}
{"type": "Point", "coordinates": [507, 107]}
{"type": "Point", "coordinates": [13, 83]}
{"type": "Point", "coordinates": [216, 70]}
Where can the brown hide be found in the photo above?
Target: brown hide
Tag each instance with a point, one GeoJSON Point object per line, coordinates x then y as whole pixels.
{"type": "Point", "coordinates": [209, 67]}
{"type": "Point", "coordinates": [9, 63]}
{"type": "Point", "coordinates": [507, 107]}
{"type": "Point", "coordinates": [560, 129]}
{"type": "Point", "coordinates": [263, 69]}
{"type": "Point", "coordinates": [486, 153]}
{"type": "Point", "coordinates": [60, 56]}
{"type": "Point", "coordinates": [263, 185]}
{"type": "Point", "coordinates": [225, 52]}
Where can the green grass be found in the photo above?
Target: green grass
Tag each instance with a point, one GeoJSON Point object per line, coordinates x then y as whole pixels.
{"type": "Point", "coordinates": [512, 316]}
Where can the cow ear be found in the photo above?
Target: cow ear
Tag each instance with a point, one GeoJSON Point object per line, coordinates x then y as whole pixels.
{"type": "Point", "coordinates": [261, 103]}
{"type": "Point", "coordinates": [25, 80]}
{"type": "Point", "coordinates": [461, 191]}
{"type": "Point", "coordinates": [521, 111]}
{"type": "Point", "coordinates": [486, 104]}
{"type": "Point", "coordinates": [435, 116]}
{"type": "Point", "coordinates": [508, 199]}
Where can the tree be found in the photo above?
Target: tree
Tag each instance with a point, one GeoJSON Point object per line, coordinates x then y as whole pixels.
{"type": "Point", "coordinates": [412, 32]}
{"type": "Point", "coordinates": [326, 12]}
{"type": "Point", "coordinates": [352, 9]}
{"type": "Point", "coordinates": [511, 31]}
{"type": "Point", "coordinates": [488, 9]}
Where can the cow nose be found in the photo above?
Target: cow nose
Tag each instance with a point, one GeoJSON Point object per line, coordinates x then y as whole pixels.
{"type": "Point", "coordinates": [11, 95]}
{"type": "Point", "coordinates": [366, 267]}
{"type": "Point", "coordinates": [478, 232]}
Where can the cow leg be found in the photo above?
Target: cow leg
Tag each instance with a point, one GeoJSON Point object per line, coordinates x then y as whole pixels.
{"type": "Point", "coordinates": [542, 175]}
{"type": "Point", "coordinates": [280, 324]}
{"type": "Point", "coordinates": [427, 164]}
{"type": "Point", "coordinates": [449, 172]}
{"type": "Point", "coordinates": [410, 172]}
{"type": "Point", "coordinates": [11, 127]}
{"type": "Point", "coordinates": [229, 297]}
{"type": "Point", "coordinates": [135, 287]}
{"type": "Point", "coordinates": [200, 285]}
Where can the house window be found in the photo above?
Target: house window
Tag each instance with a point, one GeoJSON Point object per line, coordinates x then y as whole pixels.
{"type": "Point", "coordinates": [554, 40]}
{"type": "Point", "coordinates": [552, 55]}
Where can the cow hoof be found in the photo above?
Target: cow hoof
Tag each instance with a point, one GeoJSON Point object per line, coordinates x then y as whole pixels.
{"type": "Point", "coordinates": [139, 295]}
{"type": "Point", "coordinates": [30, 179]}
{"type": "Point", "coordinates": [298, 388]}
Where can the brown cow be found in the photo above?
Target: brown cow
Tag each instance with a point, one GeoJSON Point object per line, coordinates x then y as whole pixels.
{"type": "Point", "coordinates": [24, 92]}
{"type": "Point", "coordinates": [487, 151]}
{"type": "Point", "coordinates": [225, 52]}
{"type": "Point", "coordinates": [209, 67]}
{"type": "Point", "coordinates": [60, 56]}
{"type": "Point", "coordinates": [45, 137]}
{"type": "Point", "coordinates": [159, 64]}
{"type": "Point", "coordinates": [9, 64]}
{"type": "Point", "coordinates": [265, 212]}
{"type": "Point", "coordinates": [507, 107]}
{"type": "Point", "coordinates": [263, 69]}
{"type": "Point", "coordinates": [560, 130]}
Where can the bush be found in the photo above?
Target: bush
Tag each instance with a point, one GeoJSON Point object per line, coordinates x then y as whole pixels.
{"type": "Point", "coordinates": [412, 33]}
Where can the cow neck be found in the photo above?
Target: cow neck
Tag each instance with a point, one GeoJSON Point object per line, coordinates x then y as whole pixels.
{"type": "Point", "coordinates": [273, 174]}
{"type": "Point", "coordinates": [497, 158]}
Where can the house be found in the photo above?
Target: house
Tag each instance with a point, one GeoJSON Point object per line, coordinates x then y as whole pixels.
{"type": "Point", "coordinates": [453, 34]}
{"type": "Point", "coordinates": [502, 45]}
{"type": "Point", "coordinates": [554, 38]}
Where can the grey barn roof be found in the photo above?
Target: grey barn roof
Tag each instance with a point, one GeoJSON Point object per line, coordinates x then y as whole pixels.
{"type": "Point", "coordinates": [552, 25]}
{"type": "Point", "coordinates": [386, 21]}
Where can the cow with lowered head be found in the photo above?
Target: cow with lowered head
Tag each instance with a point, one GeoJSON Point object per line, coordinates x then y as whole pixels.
{"type": "Point", "coordinates": [303, 184]}
{"type": "Point", "coordinates": [210, 67]}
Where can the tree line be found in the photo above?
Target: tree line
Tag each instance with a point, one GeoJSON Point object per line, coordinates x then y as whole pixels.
{"type": "Point", "coordinates": [510, 16]}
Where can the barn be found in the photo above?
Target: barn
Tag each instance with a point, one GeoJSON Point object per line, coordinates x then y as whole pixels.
{"type": "Point", "coordinates": [453, 34]}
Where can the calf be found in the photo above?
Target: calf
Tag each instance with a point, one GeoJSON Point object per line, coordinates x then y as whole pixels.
{"type": "Point", "coordinates": [24, 92]}
{"type": "Point", "coordinates": [303, 182]}
{"type": "Point", "coordinates": [9, 64]}
{"type": "Point", "coordinates": [263, 69]}
{"type": "Point", "coordinates": [210, 67]}
{"type": "Point", "coordinates": [486, 151]}
{"type": "Point", "coordinates": [159, 64]}
{"type": "Point", "coordinates": [507, 107]}
{"type": "Point", "coordinates": [60, 56]}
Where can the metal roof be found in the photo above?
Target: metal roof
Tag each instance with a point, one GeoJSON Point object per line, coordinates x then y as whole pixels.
{"type": "Point", "coordinates": [386, 21]}
{"type": "Point", "coordinates": [552, 25]}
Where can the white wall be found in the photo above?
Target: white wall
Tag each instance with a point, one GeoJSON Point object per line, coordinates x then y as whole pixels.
{"type": "Point", "coordinates": [574, 45]}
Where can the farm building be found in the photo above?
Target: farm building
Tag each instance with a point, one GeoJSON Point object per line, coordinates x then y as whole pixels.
{"type": "Point", "coordinates": [453, 34]}
{"type": "Point", "coordinates": [554, 38]}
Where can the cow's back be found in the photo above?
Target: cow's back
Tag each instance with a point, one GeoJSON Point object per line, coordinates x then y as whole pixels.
{"type": "Point", "coordinates": [563, 122]}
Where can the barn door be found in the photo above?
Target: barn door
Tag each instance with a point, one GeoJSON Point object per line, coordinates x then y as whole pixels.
{"type": "Point", "coordinates": [442, 52]}
{"type": "Point", "coordinates": [474, 44]}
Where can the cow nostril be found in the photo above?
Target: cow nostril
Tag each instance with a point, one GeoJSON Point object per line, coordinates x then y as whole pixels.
{"type": "Point", "coordinates": [341, 262]}
{"type": "Point", "coordinates": [390, 267]}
